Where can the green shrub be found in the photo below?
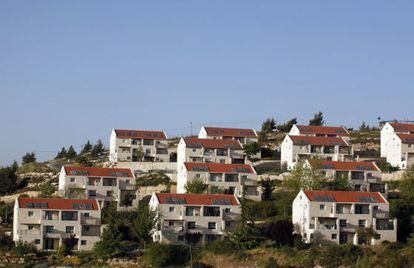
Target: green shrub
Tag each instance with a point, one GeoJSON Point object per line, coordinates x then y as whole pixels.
{"type": "Point", "coordinates": [23, 248]}
{"type": "Point", "coordinates": [161, 255]}
{"type": "Point", "coordinates": [220, 247]}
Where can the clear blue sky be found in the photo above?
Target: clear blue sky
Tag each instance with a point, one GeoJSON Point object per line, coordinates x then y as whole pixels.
{"type": "Point", "coordinates": [73, 70]}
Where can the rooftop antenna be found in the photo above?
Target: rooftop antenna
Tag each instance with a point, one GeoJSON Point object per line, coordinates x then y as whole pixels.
{"type": "Point", "coordinates": [191, 127]}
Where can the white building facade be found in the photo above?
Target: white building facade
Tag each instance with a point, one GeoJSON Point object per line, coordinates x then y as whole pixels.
{"type": "Point", "coordinates": [138, 146]}
{"type": "Point", "coordinates": [243, 135]}
{"type": "Point", "coordinates": [320, 131]}
{"type": "Point", "coordinates": [206, 216]}
{"type": "Point", "coordinates": [362, 176]}
{"type": "Point", "coordinates": [238, 179]}
{"type": "Point", "coordinates": [300, 148]}
{"type": "Point", "coordinates": [397, 144]}
{"type": "Point", "coordinates": [338, 217]}
{"type": "Point", "coordinates": [209, 151]}
{"type": "Point", "coordinates": [102, 184]}
{"type": "Point", "coordinates": [47, 222]}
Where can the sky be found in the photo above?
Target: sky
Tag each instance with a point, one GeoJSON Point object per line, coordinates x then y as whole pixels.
{"type": "Point", "coordinates": [70, 71]}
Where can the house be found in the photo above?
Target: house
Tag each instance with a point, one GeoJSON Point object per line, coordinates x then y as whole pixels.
{"type": "Point", "coordinates": [203, 217]}
{"type": "Point", "coordinates": [209, 151]}
{"type": "Point", "coordinates": [48, 222]}
{"type": "Point", "coordinates": [138, 146]}
{"type": "Point", "coordinates": [240, 134]}
{"type": "Point", "coordinates": [362, 176]}
{"type": "Point", "coordinates": [238, 179]}
{"type": "Point", "coordinates": [320, 131]}
{"type": "Point", "coordinates": [341, 217]}
{"type": "Point", "coordinates": [102, 184]}
{"type": "Point", "coordinates": [397, 144]}
{"type": "Point", "coordinates": [300, 148]}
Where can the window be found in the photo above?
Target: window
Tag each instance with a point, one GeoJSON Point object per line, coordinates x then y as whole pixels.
{"type": "Point", "coordinates": [86, 228]}
{"type": "Point", "coordinates": [170, 223]}
{"type": "Point", "coordinates": [92, 193]}
{"type": "Point", "coordinates": [362, 223]}
{"type": "Point", "coordinates": [30, 227]}
{"type": "Point", "coordinates": [191, 225]}
{"type": "Point", "coordinates": [211, 225]}
{"type": "Point", "coordinates": [30, 213]}
{"type": "Point", "coordinates": [49, 229]}
{"type": "Point", "coordinates": [222, 161]}
{"type": "Point", "coordinates": [342, 223]}
{"type": "Point", "coordinates": [180, 238]}
{"type": "Point", "coordinates": [322, 207]}
{"type": "Point", "coordinates": [127, 181]}
{"type": "Point", "coordinates": [109, 193]}
{"type": "Point", "coordinates": [334, 236]}
{"type": "Point", "coordinates": [37, 241]}
{"type": "Point", "coordinates": [72, 179]}
{"type": "Point", "coordinates": [86, 215]}
{"type": "Point", "coordinates": [194, 150]}
{"type": "Point", "coordinates": [70, 229]}
{"type": "Point", "coordinates": [227, 210]}
{"type": "Point", "coordinates": [198, 176]}
{"type": "Point", "coordinates": [171, 209]}
{"type": "Point", "coordinates": [83, 242]}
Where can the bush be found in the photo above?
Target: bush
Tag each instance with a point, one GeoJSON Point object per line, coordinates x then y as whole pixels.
{"type": "Point", "coordinates": [220, 247]}
{"type": "Point", "coordinates": [161, 255]}
{"type": "Point", "coordinates": [23, 248]}
{"type": "Point", "coordinates": [6, 242]}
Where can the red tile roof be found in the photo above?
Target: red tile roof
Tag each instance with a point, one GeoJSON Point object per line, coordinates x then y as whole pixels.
{"type": "Point", "coordinates": [140, 134]}
{"type": "Point", "coordinates": [231, 132]}
{"type": "Point", "coordinates": [212, 143]}
{"type": "Point", "coordinates": [339, 131]}
{"type": "Point", "coordinates": [219, 168]}
{"type": "Point", "coordinates": [312, 140]}
{"type": "Point", "coordinates": [99, 172]}
{"type": "Point", "coordinates": [349, 166]}
{"type": "Point", "coordinates": [406, 138]}
{"type": "Point", "coordinates": [345, 196]}
{"type": "Point", "coordinates": [59, 203]}
{"type": "Point", "coordinates": [198, 199]}
{"type": "Point", "coordinates": [401, 127]}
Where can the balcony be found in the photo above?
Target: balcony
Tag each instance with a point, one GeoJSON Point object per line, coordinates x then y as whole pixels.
{"type": "Point", "coordinates": [230, 216]}
{"type": "Point", "coordinates": [34, 232]}
{"type": "Point", "coordinates": [90, 221]}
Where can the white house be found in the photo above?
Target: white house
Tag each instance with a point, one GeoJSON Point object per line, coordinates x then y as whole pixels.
{"type": "Point", "coordinates": [300, 148]}
{"type": "Point", "coordinates": [362, 176]}
{"type": "Point", "coordinates": [239, 179]}
{"type": "Point", "coordinates": [47, 222]}
{"type": "Point", "coordinates": [102, 184]}
{"type": "Point", "coordinates": [320, 131]}
{"type": "Point", "coordinates": [244, 135]}
{"type": "Point", "coordinates": [138, 146]}
{"type": "Point", "coordinates": [209, 151]}
{"type": "Point", "coordinates": [397, 144]}
{"type": "Point", "coordinates": [206, 216]}
{"type": "Point", "coordinates": [340, 217]}
{"type": "Point", "coordinates": [400, 151]}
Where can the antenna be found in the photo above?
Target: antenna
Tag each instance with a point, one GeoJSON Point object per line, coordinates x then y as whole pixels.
{"type": "Point", "coordinates": [191, 127]}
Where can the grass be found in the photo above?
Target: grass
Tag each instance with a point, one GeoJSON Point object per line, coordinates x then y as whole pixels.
{"type": "Point", "coordinates": [34, 168]}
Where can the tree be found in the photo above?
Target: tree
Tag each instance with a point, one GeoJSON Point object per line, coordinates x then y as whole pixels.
{"type": "Point", "coordinates": [28, 158]}
{"type": "Point", "coordinates": [317, 119]}
{"type": "Point", "coordinates": [70, 243]}
{"type": "Point", "coordinates": [245, 235]}
{"type": "Point", "coordinates": [138, 154]}
{"type": "Point", "coordinates": [287, 126]}
{"type": "Point", "coordinates": [14, 167]}
{"type": "Point", "coordinates": [144, 224]}
{"type": "Point", "coordinates": [196, 186]}
{"type": "Point", "coordinates": [269, 125]}
{"type": "Point", "coordinates": [71, 154]}
{"type": "Point", "coordinates": [365, 234]}
{"type": "Point", "coordinates": [86, 148]}
{"type": "Point", "coordinates": [280, 232]}
{"type": "Point", "coordinates": [267, 189]}
{"type": "Point", "coordinates": [309, 177]}
{"type": "Point", "coordinates": [61, 154]}
{"type": "Point", "coordinates": [251, 149]}
{"type": "Point", "coordinates": [127, 199]}
{"type": "Point", "coordinates": [97, 149]}
{"type": "Point", "coordinates": [83, 161]}
{"type": "Point", "coordinates": [47, 189]}
{"type": "Point", "coordinates": [364, 127]}
{"type": "Point", "coordinates": [7, 180]}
